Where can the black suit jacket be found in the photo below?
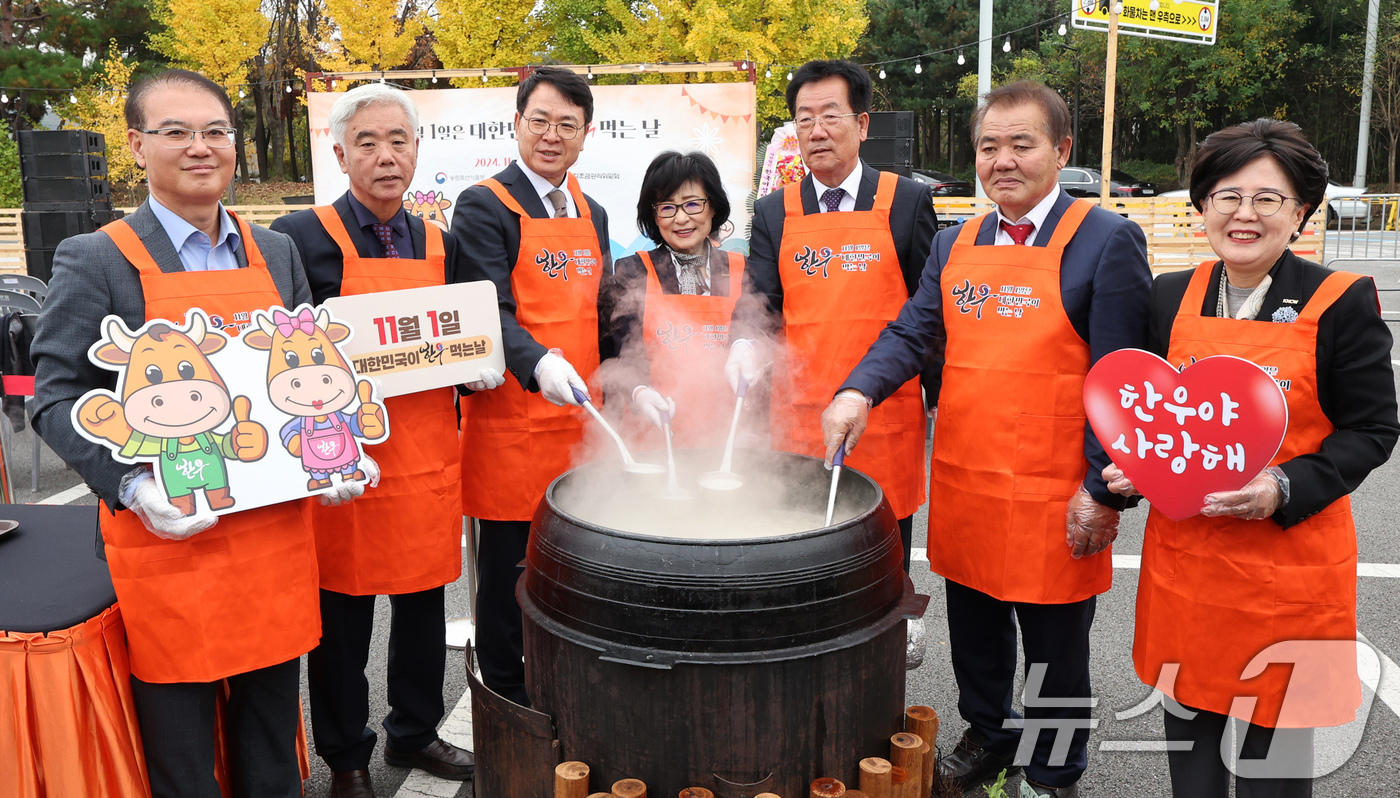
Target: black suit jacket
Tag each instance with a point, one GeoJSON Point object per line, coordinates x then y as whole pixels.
{"type": "Point", "coordinates": [912, 223]}
{"type": "Point", "coordinates": [321, 256]}
{"type": "Point", "coordinates": [1355, 379]}
{"type": "Point", "coordinates": [488, 243]}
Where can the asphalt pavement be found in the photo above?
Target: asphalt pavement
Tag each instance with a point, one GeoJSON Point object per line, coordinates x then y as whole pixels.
{"type": "Point", "coordinates": [1125, 754]}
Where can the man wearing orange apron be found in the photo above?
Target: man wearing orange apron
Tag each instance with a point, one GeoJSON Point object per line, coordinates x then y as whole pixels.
{"type": "Point", "coordinates": [531, 231]}
{"type": "Point", "coordinates": [1016, 306]}
{"type": "Point", "coordinates": [205, 603]}
{"type": "Point", "coordinates": [403, 537]}
{"type": "Point", "coordinates": [836, 256]}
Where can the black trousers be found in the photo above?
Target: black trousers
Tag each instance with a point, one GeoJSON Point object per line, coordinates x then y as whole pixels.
{"type": "Point", "coordinates": [906, 536]}
{"type": "Point", "coordinates": [177, 730]}
{"type": "Point", "coordinates": [1201, 772]}
{"type": "Point", "coordinates": [1055, 637]}
{"type": "Point", "coordinates": [499, 646]}
{"type": "Point", "coordinates": [335, 672]}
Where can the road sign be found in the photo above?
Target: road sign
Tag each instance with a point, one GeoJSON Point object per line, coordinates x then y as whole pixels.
{"type": "Point", "coordinates": [1175, 20]}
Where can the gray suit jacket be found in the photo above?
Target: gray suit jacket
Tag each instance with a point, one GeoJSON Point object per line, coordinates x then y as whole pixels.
{"type": "Point", "coordinates": [92, 280]}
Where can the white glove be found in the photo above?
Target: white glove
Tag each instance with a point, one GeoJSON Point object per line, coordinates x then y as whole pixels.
{"type": "Point", "coordinates": [650, 404]}
{"type": "Point", "coordinates": [742, 362]}
{"type": "Point", "coordinates": [162, 518]}
{"type": "Point", "coordinates": [347, 491]}
{"type": "Point", "coordinates": [557, 379]}
{"type": "Point", "coordinates": [490, 378]}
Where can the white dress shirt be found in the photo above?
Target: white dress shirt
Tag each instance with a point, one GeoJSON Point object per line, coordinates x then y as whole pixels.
{"type": "Point", "coordinates": [197, 252]}
{"type": "Point", "coordinates": [543, 187]}
{"type": "Point", "coordinates": [1036, 216]}
{"type": "Point", "coordinates": [851, 185]}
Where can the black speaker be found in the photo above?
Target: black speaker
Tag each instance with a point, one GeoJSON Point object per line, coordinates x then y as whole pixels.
{"type": "Point", "coordinates": [61, 142]}
{"type": "Point", "coordinates": [903, 170]}
{"type": "Point", "coordinates": [39, 263]}
{"type": "Point", "coordinates": [889, 151]}
{"type": "Point", "coordinates": [68, 165]}
{"type": "Point", "coordinates": [66, 189]}
{"type": "Point", "coordinates": [891, 125]}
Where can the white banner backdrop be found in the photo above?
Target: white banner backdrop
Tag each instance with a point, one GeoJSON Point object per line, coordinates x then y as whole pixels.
{"type": "Point", "coordinates": [468, 135]}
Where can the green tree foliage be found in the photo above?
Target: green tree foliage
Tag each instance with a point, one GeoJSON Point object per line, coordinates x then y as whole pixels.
{"type": "Point", "coordinates": [11, 191]}
{"type": "Point", "coordinates": [214, 37]}
{"type": "Point", "coordinates": [487, 33]}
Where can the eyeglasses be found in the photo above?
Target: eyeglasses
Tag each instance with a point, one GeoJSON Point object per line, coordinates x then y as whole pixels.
{"type": "Point", "coordinates": [665, 210]}
{"type": "Point", "coordinates": [540, 127]}
{"type": "Point", "coordinates": [1265, 203]}
{"type": "Point", "coordinates": [828, 121]}
{"type": "Point", "coordinates": [178, 138]}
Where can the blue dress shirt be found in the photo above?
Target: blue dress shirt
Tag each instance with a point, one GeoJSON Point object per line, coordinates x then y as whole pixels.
{"type": "Point", "coordinates": [197, 252]}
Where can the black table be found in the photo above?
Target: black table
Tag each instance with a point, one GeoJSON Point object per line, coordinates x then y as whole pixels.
{"type": "Point", "coordinates": [50, 577]}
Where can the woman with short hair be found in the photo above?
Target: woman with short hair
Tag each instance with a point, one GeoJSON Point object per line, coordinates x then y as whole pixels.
{"type": "Point", "coordinates": [1273, 562]}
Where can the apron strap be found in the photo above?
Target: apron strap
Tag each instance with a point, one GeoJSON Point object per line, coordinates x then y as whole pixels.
{"type": "Point", "coordinates": [335, 228]}
{"type": "Point", "coordinates": [1196, 291]}
{"type": "Point", "coordinates": [884, 193]}
{"type": "Point", "coordinates": [580, 201]}
{"type": "Point", "coordinates": [967, 236]}
{"type": "Point", "coordinates": [432, 241]}
{"type": "Point", "coordinates": [505, 197]}
{"type": "Point", "coordinates": [1069, 223]}
{"type": "Point", "coordinates": [736, 275]}
{"type": "Point", "coordinates": [129, 244]}
{"type": "Point", "coordinates": [250, 247]}
{"type": "Point", "coordinates": [792, 199]}
{"type": "Point", "coordinates": [653, 279]}
{"type": "Point", "coordinates": [1328, 293]}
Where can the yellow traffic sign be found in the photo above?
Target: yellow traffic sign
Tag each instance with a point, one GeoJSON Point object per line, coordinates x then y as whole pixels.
{"type": "Point", "coordinates": [1176, 20]}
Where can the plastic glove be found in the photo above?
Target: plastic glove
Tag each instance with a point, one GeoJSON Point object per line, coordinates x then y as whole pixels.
{"type": "Point", "coordinates": [490, 378]}
{"type": "Point", "coordinates": [650, 404]}
{"type": "Point", "coordinates": [348, 491]}
{"type": "Point", "coordinates": [1117, 482]}
{"type": "Point", "coordinates": [1260, 498]}
{"type": "Point", "coordinates": [162, 518]}
{"type": "Point", "coordinates": [1090, 527]}
{"type": "Point", "coordinates": [845, 417]}
{"type": "Point", "coordinates": [742, 362]}
{"type": "Point", "coordinates": [557, 378]}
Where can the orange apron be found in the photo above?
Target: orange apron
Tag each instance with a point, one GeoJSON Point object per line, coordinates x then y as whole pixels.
{"type": "Point", "coordinates": [1008, 448]}
{"type": "Point", "coordinates": [405, 535]}
{"type": "Point", "coordinates": [1215, 592]}
{"type": "Point", "coordinates": [841, 286]}
{"type": "Point", "coordinates": [241, 595]}
{"type": "Point", "coordinates": [514, 443]}
{"type": "Point", "coordinates": [687, 340]}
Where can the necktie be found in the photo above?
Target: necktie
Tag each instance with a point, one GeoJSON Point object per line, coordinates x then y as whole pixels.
{"type": "Point", "coordinates": [1018, 232]}
{"type": "Point", "coordinates": [386, 240]}
{"type": "Point", "coordinates": [561, 208]}
{"type": "Point", "coordinates": [831, 198]}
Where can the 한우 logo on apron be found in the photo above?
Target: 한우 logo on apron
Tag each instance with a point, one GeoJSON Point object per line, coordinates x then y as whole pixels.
{"type": "Point", "coordinates": [675, 336]}
{"type": "Point", "coordinates": [967, 298]}
{"type": "Point", "coordinates": [812, 261]}
{"type": "Point", "coordinates": [554, 264]}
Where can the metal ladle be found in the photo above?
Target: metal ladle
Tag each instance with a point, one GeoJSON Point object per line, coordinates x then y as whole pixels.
{"type": "Point", "coordinates": [629, 463]}
{"type": "Point", "coordinates": [673, 490]}
{"type": "Point", "coordinates": [836, 462]}
{"type": "Point", "coordinates": [725, 478]}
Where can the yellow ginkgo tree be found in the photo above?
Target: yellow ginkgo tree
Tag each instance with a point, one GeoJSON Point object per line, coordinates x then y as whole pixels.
{"type": "Point", "coordinates": [486, 33]}
{"type": "Point", "coordinates": [101, 108]}
{"type": "Point", "coordinates": [217, 38]}
{"type": "Point", "coordinates": [373, 35]}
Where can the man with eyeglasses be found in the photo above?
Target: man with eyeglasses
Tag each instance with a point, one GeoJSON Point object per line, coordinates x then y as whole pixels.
{"type": "Point", "coordinates": [835, 257]}
{"type": "Point", "coordinates": [402, 538]}
{"type": "Point", "coordinates": [205, 604]}
{"type": "Point", "coordinates": [1016, 305]}
{"type": "Point", "coordinates": [531, 230]}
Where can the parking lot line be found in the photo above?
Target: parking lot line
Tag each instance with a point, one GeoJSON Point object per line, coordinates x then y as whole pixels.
{"type": "Point", "coordinates": [63, 497]}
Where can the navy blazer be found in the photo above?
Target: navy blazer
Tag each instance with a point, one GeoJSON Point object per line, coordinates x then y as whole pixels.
{"type": "Point", "coordinates": [321, 256]}
{"type": "Point", "coordinates": [1105, 285]}
{"type": "Point", "coordinates": [488, 243]}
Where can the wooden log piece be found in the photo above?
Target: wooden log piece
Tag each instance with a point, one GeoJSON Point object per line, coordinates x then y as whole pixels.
{"type": "Point", "coordinates": [600, 795]}
{"type": "Point", "coordinates": [696, 792]}
{"type": "Point", "coordinates": [907, 751]}
{"type": "Point", "coordinates": [571, 780]}
{"type": "Point", "coordinates": [923, 721]}
{"type": "Point", "coordinates": [875, 777]}
{"type": "Point", "coordinates": [767, 795]}
{"type": "Point", "coordinates": [629, 788]}
{"type": "Point", "coordinates": [856, 794]}
{"type": "Point", "coordinates": [899, 783]}
{"type": "Point", "coordinates": [926, 766]}
{"type": "Point", "coordinates": [828, 788]}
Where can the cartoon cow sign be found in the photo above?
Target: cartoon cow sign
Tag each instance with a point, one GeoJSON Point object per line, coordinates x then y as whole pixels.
{"type": "Point", "coordinates": [169, 404]}
{"type": "Point", "coordinates": [310, 380]}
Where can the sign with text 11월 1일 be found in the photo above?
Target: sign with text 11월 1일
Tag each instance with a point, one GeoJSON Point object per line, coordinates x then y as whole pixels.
{"type": "Point", "coordinates": [1178, 436]}
{"type": "Point", "coordinates": [418, 339]}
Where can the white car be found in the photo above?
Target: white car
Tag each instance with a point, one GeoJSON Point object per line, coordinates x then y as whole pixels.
{"type": "Point", "coordinates": [1343, 202]}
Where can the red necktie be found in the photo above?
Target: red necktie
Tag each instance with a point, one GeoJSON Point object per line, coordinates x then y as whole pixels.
{"type": "Point", "coordinates": [385, 233]}
{"type": "Point", "coordinates": [1018, 232]}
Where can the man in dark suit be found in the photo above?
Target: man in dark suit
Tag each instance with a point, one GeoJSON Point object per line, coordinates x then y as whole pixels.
{"type": "Point", "coordinates": [367, 242]}
{"type": "Point", "coordinates": [1020, 519]}
{"type": "Point", "coordinates": [180, 250]}
{"type": "Point", "coordinates": [830, 101]}
{"type": "Point", "coordinates": [532, 232]}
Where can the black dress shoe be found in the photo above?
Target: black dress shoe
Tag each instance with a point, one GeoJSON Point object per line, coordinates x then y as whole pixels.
{"type": "Point", "coordinates": [351, 784]}
{"type": "Point", "coordinates": [440, 758]}
{"type": "Point", "coordinates": [970, 764]}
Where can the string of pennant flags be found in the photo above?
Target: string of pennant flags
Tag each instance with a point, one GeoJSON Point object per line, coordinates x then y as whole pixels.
{"type": "Point", "coordinates": [591, 71]}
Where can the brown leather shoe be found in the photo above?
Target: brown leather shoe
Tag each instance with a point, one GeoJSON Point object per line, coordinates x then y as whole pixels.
{"type": "Point", "coordinates": [440, 758]}
{"type": "Point", "coordinates": [351, 784]}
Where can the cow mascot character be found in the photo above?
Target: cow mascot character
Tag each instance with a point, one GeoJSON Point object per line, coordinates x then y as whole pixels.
{"type": "Point", "coordinates": [171, 401]}
{"type": "Point", "coordinates": [309, 379]}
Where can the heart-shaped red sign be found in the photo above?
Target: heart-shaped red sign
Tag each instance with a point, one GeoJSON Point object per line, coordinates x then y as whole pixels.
{"type": "Point", "coordinates": [1179, 436]}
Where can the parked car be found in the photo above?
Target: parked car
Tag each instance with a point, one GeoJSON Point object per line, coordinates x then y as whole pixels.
{"type": "Point", "coordinates": [945, 185]}
{"type": "Point", "coordinates": [1081, 181]}
{"type": "Point", "coordinates": [1343, 202]}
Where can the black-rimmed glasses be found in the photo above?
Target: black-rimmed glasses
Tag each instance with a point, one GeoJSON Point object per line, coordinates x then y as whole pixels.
{"type": "Point", "coordinates": [178, 138]}
{"type": "Point", "coordinates": [1265, 203]}
{"type": "Point", "coordinates": [665, 210]}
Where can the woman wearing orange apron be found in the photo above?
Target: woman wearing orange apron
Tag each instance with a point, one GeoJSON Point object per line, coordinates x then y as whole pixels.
{"type": "Point", "coordinates": [1266, 573]}
{"type": "Point", "coordinates": [669, 309]}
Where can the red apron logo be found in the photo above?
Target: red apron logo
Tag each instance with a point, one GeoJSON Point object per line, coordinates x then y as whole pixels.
{"type": "Point", "coordinates": [812, 261]}
{"type": "Point", "coordinates": [554, 264]}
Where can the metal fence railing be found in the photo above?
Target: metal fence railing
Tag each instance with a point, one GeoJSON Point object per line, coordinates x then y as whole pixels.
{"type": "Point", "coordinates": [1366, 228]}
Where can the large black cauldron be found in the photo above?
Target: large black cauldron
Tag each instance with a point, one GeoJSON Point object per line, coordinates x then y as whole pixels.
{"type": "Point", "coordinates": [743, 664]}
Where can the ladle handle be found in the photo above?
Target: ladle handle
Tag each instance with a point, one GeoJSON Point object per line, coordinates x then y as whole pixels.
{"type": "Point", "coordinates": [579, 396]}
{"type": "Point", "coordinates": [743, 387]}
{"type": "Point", "coordinates": [582, 398]}
{"type": "Point", "coordinates": [839, 459]}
